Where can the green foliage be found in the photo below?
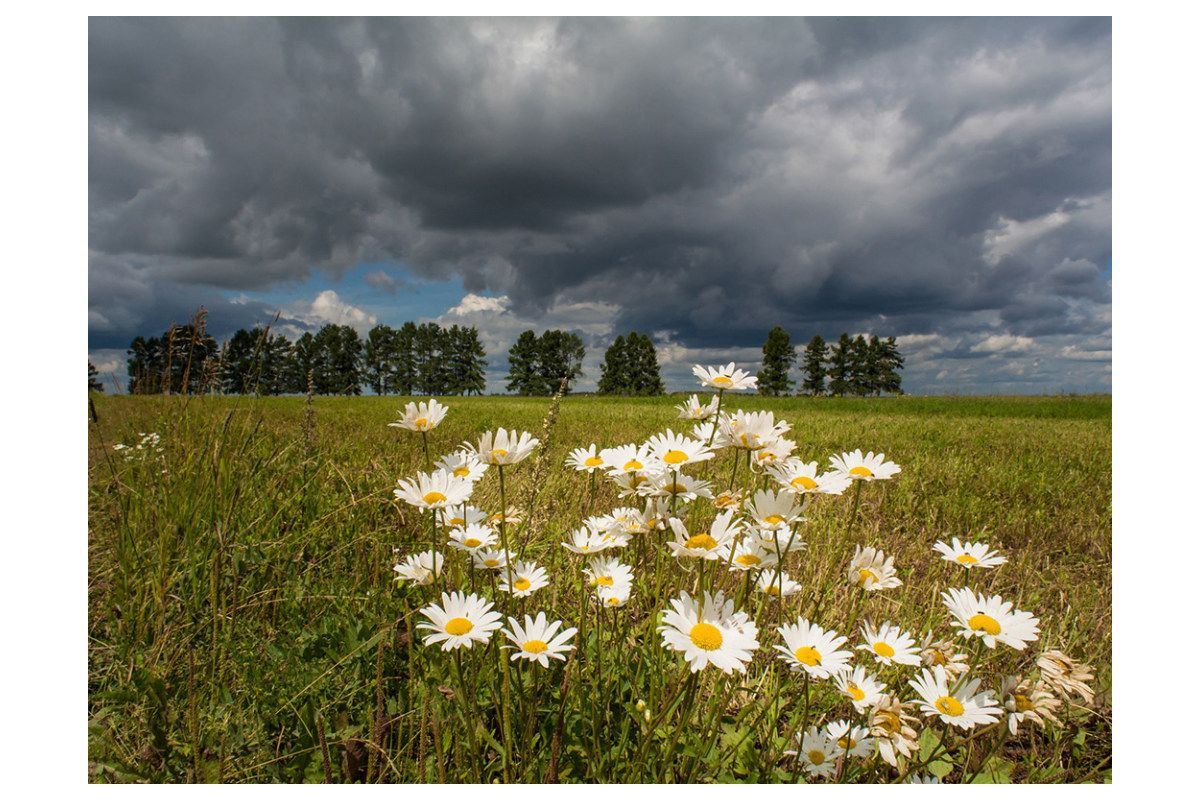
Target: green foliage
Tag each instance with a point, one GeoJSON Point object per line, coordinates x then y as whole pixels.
{"type": "Point", "coordinates": [630, 368]}
{"type": "Point", "coordinates": [93, 384]}
{"type": "Point", "coordinates": [778, 358]}
{"type": "Point", "coordinates": [815, 355]}
{"type": "Point", "coordinates": [538, 365]}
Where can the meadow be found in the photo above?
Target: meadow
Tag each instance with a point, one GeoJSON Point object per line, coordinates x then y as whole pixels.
{"type": "Point", "coordinates": [245, 623]}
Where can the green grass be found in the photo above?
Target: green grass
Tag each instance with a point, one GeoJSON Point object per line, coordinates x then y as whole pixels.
{"type": "Point", "coordinates": [241, 596]}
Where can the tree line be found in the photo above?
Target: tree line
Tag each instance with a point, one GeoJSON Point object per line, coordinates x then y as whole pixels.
{"type": "Point", "coordinates": [850, 366]}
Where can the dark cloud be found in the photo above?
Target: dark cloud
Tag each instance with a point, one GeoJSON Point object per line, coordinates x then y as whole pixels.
{"type": "Point", "coordinates": [708, 178]}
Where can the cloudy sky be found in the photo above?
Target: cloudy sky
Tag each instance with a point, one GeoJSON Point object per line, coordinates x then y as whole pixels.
{"type": "Point", "coordinates": [944, 181]}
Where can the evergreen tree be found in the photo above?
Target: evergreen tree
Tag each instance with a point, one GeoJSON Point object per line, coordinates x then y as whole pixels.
{"type": "Point", "coordinates": [239, 365]}
{"type": "Point", "coordinates": [93, 384]}
{"type": "Point", "coordinates": [644, 378]}
{"type": "Point", "coordinates": [814, 366]}
{"type": "Point", "coordinates": [778, 358]}
{"type": "Point", "coordinates": [472, 359]}
{"type": "Point", "coordinates": [614, 372]}
{"type": "Point", "coordinates": [144, 365]}
{"type": "Point", "coordinates": [431, 367]}
{"type": "Point", "coordinates": [890, 364]}
{"type": "Point", "coordinates": [305, 359]}
{"type": "Point", "coordinates": [378, 356]}
{"type": "Point", "coordinates": [273, 364]}
{"type": "Point", "coordinates": [182, 354]}
{"type": "Point", "coordinates": [860, 366]}
{"type": "Point", "coordinates": [560, 358]}
{"type": "Point", "coordinates": [524, 377]}
{"type": "Point", "coordinates": [840, 365]}
{"type": "Point", "coordinates": [404, 364]}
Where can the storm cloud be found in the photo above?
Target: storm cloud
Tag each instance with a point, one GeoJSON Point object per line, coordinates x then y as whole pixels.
{"type": "Point", "coordinates": [943, 180]}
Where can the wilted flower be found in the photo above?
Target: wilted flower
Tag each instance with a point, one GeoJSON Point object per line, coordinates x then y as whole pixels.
{"type": "Point", "coordinates": [1027, 701]}
{"type": "Point", "coordinates": [891, 725]}
{"type": "Point", "coordinates": [871, 570]}
{"type": "Point", "coordinates": [1066, 676]}
{"type": "Point", "coordinates": [943, 653]}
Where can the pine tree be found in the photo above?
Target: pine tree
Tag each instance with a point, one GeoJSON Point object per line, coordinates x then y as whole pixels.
{"type": "Point", "coordinates": [305, 359]}
{"type": "Point", "coordinates": [378, 356]}
{"type": "Point", "coordinates": [474, 361]}
{"type": "Point", "coordinates": [276, 353]}
{"type": "Point", "coordinates": [644, 377]}
{"type": "Point", "coordinates": [523, 375]}
{"type": "Point", "coordinates": [404, 364]}
{"type": "Point", "coordinates": [814, 366]}
{"type": "Point", "coordinates": [778, 358]}
{"type": "Point", "coordinates": [840, 365]}
{"type": "Point", "coordinates": [238, 363]}
{"type": "Point", "coordinates": [890, 364]}
{"type": "Point", "coordinates": [614, 372]}
{"type": "Point", "coordinates": [560, 358]}
{"type": "Point", "coordinates": [860, 366]}
{"type": "Point", "coordinates": [93, 384]}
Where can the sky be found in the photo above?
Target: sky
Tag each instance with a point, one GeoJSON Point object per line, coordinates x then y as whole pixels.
{"type": "Point", "coordinates": [944, 181]}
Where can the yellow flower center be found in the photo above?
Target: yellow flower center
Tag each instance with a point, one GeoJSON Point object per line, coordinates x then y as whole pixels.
{"type": "Point", "coordinates": [888, 720]}
{"type": "Point", "coordinates": [949, 706]}
{"type": "Point", "coordinates": [534, 646]}
{"type": "Point", "coordinates": [722, 380]}
{"type": "Point", "coordinates": [748, 559]}
{"type": "Point", "coordinates": [866, 576]}
{"type": "Point", "coordinates": [705, 636]}
{"type": "Point", "coordinates": [421, 423]}
{"type": "Point", "coordinates": [773, 519]}
{"type": "Point", "coordinates": [675, 488]}
{"type": "Point", "coordinates": [454, 522]}
{"type": "Point", "coordinates": [632, 464]}
{"type": "Point", "coordinates": [522, 584]}
{"type": "Point", "coordinates": [938, 657]}
{"type": "Point", "coordinates": [472, 542]}
{"type": "Point", "coordinates": [854, 692]}
{"type": "Point", "coordinates": [817, 757]}
{"type": "Point", "coordinates": [459, 626]}
{"type": "Point", "coordinates": [701, 541]}
{"type": "Point", "coordinates": [593, 461]}
{"type": "Point", "coordinates": [462, 472]}
{"type": "Point", "coordinates": [808, 656]}
{"type": "Point", "coordinates": [846, 743]}
{"type": "Point", "coordinates": [967, 558]}
{"type": "Point", "coordinates": [861, 472]}
{"type": "Point", "coordinates": [614, 601]}
{"type": "Point", "coordinates": [1022, 702]}
{"type": "Point", "coordinates": [499, 453]}
{"type": "Point", "coordinates": [803, 482]}
{"type": "Point", "coordinates": [604, 580]}
{"type": "Point", "coordinates": [982, 622]}
{"type": "Point", "coordinates": [675, 457]}
{"type": "Point", "coordinates": [884, 649]}
{"type": "Point", "coordinates": [765, 455]}
{"type": "Point", "coordinates": [771, 589]}
{"type": "Point", "coordinates": [434, 497]}
{"type": "Point", "coordinates": [491, 562]}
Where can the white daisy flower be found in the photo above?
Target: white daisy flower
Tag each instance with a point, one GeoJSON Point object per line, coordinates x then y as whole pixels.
{"type": "Point", "coordinates": [799, 477]}
{"type": "Point", "coordinates": [536, 641]}
{"type": "Point", "coordinates": [490, 558]}
{"type": "Point", "coordinates": [871, 570]}
{"type": "Point", "coordinates": [436, 490]}
{"type": "Point", "coordinates": [752, 430]}
{"type": "Point", "coordinates": [752, 554]}
{"type": "Point", "coordinates": [472, 537]}
{"type": "Point", "coordinates": [963, 708]}
{"type": "Point", "coordinates": [604, 571]}
{"type": "Point", "coordinates": [586, 541]}
{"type": "Point", "coordinates": [628, 458]}
{"type": "Point", "coordinates": [630, 484]}
{"type": "Point", "coordinates": [783, 540]}
{"type": "Point", "coordinates": [871, 467]}
{"type": "Point", "coordinates": [527, 578]}
{"type": "Point", "coordinates": [811, 648]}
{"type": "Point", "coordinates": [675, 484]}
{"type": "Point", "coordinates": [775, 452]}
{"type": "Point", "coordinates": [693, 409]}
{"type": "Point", "coordinates": [990, 618]}
{"type": "Point", "coordinates": [770, 583]}
{"type": "Point", "coordinates": [727, 377]}
{"type": "Point", "coordinates": [818, 753]}
{"type": "Point", "coordinates": [421, 417]}
{"type": "Point", "coordinates": [420, 568]}
{"type": "Point", "coordinates": [503, 447]}
{"type": "Point", "coordinates": [585, 459]}
{"type": "Point", "coordinates": [462, 464]}
{"type": "Point", "coordinates": [711, 633]}
{"type": "Point", "coordinates": [461, 516]}
{"type": "Point", "coordinates": [855, 738]}
{"type": "Point", "coordinates": [613, 596]}
{"type": "Point", "coordinates": [712, 545]}
{"type": "Point", "coordinates": [710, 432]}
{"type": "Point", "coordinates": [969, 555]}
{"type": "Point", "coordinates": [459, 621]}
{"type": "Point", "coordinates": [859, 687]}
{"type": "Point", "coordinates": [774, 510]}
{"type": "Point", "coordinates": [673, 451]}
{"type": "Point", "coordinates": [890, 645]}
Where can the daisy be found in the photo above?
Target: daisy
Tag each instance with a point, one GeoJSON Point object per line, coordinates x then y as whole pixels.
{"type": "Point", "coordinates": [510, 516]}
{"type": "Point", "coordinates": [752, 430]}
{"type": "Point", "coordinates": [712, 633]}
{"type": "Point", "coordinates": [677, 485]}
{"type": "Point", "coordinates": [584, 459]}
{"type": "Point", "coordinates": [536, 641]}
{"type": "Point", "coordinates": [710, 432]}
{"type": "Point", "coordinates": [871, 570]}
{"type": "Point", "coordinates": [490, 558]}
{"type": "Point", "coordinates": [990, 618]}
{"type": "Point", "coordinates": [890, 645]}
{"type": "Point", "coordinates": [859, 687]}
{"type": "Point", "coordinates": [712, 545]}
{"type": "Point", "coordinates": [463, 464]}
{"type": "Point", "coordinates": [775, 452]}
{"type": "Point", "coordinates": [472, 537]}
{"type": "Point", "coordinates": [771, 583]}
{"type": "Point", "coordinates": [584, 540]}
{"type": "Point", "coordinates": [811, 648]}
{"type": "Point", "coordinates": [613, 596]}
{"type": "Point", "coordinates": [728, 499]}
{"type": "Point", "coordinates": [693, 409]}
{"type": "Point", "coordinates": [459, 621]}
{"type": "Point", "coordinates": [961, 707]}
{"type": "Point", "coordinates": [1026, 701]}
{"type": "Point", "coordinates": [503, 447]}
{"type": "Point", "coordinates": [461, 516]}
{"type": "Point", "coordinates": [799, 477]}
{"type": "Point", "coordinates": [971, 554]}
{"type": "Point", "coordinates": [626, 458]}
{"type": "Point", "coordinates": [629, 483]}
{"type": "Point", "coordinates": [782, 541]}
{"type": "Point", "coordinates": [870, 467]}
{"type": "Point", "coordinates": [603, 571]}
{"type": "Point", "coordinates": [527, 577]}
{"type": "Point", "coordinates": [672, 451]}
{"type": "Point", "coordinates": [436, 490]}
{"type": "Point", "coordinates": [856, 739]}
{"type": "Point", "coordinates": [420, 568]}
{"type": "Point", "coordinates": [420, 417]}
{"type": "Point", "coordinates": [774, 510]}
{"type": "Point", "coordinates": [818, 753]}
{"type": "Point", "coordinates": [752, 554]}
{"type": "Point", "coordinates": [942, 653]}
{"type": "Point", "coordinates": [891, 726]}
{"type": "Point", "coordinates": [1066, 676]}
{"type": "Point", "coordinates": [725, 378]}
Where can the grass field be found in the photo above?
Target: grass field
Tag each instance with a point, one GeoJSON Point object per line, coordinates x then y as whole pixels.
{"type": "Point", "coordinates": [242, 608]}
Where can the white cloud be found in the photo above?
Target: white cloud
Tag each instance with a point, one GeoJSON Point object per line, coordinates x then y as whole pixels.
{"type": "Point", "coordinates": [328, 308]}
{"type": "Point", "coordinates": [478, 304]}
{"type": "Point", "coordinates": [1004, 343]}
